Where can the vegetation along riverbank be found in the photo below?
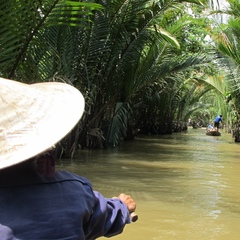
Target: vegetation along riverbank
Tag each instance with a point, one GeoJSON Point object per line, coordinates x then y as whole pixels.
{"type": "Point", "coordinates": [149, 67]}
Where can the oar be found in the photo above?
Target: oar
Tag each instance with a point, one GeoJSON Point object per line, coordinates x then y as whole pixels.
{"type": "Point", "coordinates": [134, 217]}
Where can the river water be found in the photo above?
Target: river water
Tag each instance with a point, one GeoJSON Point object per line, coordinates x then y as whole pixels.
{"type": "Point", "coordinates": [186, 185]}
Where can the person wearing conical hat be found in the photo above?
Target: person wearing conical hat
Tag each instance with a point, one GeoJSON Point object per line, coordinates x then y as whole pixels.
{"type": "Point", "coordinates": [37, 202]}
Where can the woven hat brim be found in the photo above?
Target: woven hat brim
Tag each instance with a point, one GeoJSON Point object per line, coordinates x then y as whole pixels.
{"type": "Point", "coordinates": [35, 117]}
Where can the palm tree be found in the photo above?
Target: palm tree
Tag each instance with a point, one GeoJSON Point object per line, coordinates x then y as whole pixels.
{"type": "Point", "coordinates": [229, 47]}
{"type": "Point", "coordinates": [39, 39]}
{"type": "Point", "coordinates": [30, 32]}
{"type": "Point", "coordinates": [124, 56]}
{"type": "Point", "coordinates": [128, 49]}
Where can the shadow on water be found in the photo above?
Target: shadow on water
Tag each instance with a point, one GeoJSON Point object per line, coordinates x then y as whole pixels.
{"type": "Point", "coordinates": [185, 184]}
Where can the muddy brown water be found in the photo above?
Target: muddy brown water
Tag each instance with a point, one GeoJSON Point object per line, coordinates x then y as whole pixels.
{"type": "Point", "coordinates": [186, 185]}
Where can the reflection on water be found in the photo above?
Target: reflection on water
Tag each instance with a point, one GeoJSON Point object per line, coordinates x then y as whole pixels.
{"type": "Point", "coordinates": [185, 185]}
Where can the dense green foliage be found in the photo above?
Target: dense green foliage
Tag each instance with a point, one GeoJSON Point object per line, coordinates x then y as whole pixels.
{"type": "Point", "coordinates": [141, 65]}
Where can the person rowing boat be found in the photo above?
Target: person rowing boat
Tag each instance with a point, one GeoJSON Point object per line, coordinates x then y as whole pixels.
{"type": "Point", "coordinates": [36, 201]}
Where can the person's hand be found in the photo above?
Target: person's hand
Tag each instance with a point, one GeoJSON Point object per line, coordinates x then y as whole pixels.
{"type": "Point", "coordinates": [131, 205]}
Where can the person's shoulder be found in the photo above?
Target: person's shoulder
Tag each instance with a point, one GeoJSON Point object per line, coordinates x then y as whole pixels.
{"type": "Point", "coordinates": [68, 176]}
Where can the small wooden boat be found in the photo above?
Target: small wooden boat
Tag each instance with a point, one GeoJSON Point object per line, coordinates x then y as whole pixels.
{"type": "Point", "coordinates": [213, 133]}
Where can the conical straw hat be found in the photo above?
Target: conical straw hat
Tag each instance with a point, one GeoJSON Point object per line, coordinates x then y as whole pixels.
{"type": "Point", "coordinates": [35, 117]}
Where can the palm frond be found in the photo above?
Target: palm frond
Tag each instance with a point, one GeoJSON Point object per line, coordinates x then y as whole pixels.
{"type": "Point", "coordinates": [23, 26]}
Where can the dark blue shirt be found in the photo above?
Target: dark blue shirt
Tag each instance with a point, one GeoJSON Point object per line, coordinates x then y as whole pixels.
{"type": "Point", "coordinates": [6, 233]}
{"type": "Point", "coordinates": [62, 208]}
{"type": "Point", "coordinates": [218, 119]}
